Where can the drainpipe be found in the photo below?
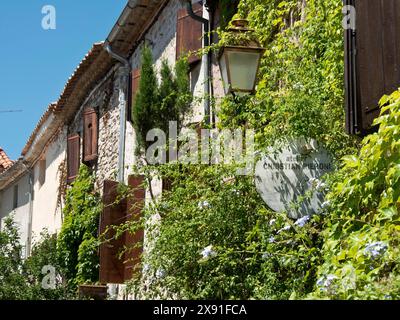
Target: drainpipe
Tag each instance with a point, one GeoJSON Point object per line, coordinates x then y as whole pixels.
{"type": "Point", "coordinates": [123, 101]}
{"type": "Point", "coordinates": [205, 59]}
{"type": "Point", "coordinates": [30, 219]}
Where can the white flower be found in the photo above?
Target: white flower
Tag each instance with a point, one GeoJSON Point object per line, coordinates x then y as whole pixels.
{"type": "Point", "coordinates": [285, 228]}
{"type": "Point", "coordinates": [272, 222]}
{"type": "Point", "coordinates": [160, 273]}
{"type": "Point", "coordinates": [208, 252]}
{"type": "Point", "coordinates": [302, 221]}
{"type": "Point", "coordinates": [325, 204]}
{"type": "Point", "coordinates": [203, 205]}
{"type": "Point", "coordinates": [321, 186]}
{"type": "Point", "coordinates": [236, 192]}
{"type": "Point", "coordinates": [146, 267]}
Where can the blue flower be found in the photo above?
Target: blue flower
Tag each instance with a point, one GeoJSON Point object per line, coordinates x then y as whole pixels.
{"type": "Point", "coordinates": [302, 221]}
{"type": "Point", "coordinates": [203, 205]}
{"type": "Point", "coordinates": [271, 240]}
{"type": "Point", "coordinates": [265, 256]}
{"type": "Point", "coordinates": [285, 228]}
{"type": "Point", "coordinates": [375, 249]}
{"type": "Point", "coordinates": [325, 282]}
{"type": "Point", "coordinates": [208, 252]}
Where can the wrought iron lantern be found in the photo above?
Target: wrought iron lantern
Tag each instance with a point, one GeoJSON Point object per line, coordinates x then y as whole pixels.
{"type": "Point", "coordinates": [240, 62]}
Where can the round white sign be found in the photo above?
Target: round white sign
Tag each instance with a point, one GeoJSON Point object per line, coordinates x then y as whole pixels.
{"type": "Point", "coordinates": [288, 179]}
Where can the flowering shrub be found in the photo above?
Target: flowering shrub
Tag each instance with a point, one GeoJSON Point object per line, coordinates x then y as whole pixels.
{"type": "Point", "coordinates": [212, 237]}
{"type": "Point", "coordinates": [361, 246]}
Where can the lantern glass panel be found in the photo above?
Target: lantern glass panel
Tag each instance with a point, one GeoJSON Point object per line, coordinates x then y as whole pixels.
{"type": "Point", "coordinates": [224, 73]}
{"type": "Point", "coordinates": [243, 67]}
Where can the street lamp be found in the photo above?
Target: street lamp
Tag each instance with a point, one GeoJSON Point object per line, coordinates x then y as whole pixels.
{"type": "Point", "coordinates": [239, 63]}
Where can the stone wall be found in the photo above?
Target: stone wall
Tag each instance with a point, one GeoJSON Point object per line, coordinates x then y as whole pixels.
{"type": "Point", "coordinates": [105, 99]}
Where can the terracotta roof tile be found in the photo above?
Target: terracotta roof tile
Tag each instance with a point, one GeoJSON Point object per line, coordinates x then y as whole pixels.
{"type": "Point", "coordinates": [5, 161]}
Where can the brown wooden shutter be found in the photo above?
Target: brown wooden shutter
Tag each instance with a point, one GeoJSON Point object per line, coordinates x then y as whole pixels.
{"type": "Point", "coordinates": [189, 34]}
{"type": "Point", "coordinates": [114, 214]}
{"type": "Point", "coordinates": [167, 184]}
{"type": "Point", "coordinates": [372, 61]}
{"type": "Point", "coordinates": [120, 258]}
{"type": "Point", "coordinates": [90, 135]}
{"type": "Point", "coordinates": [134, 88]}
{"type": "Point", "coordinates": [135, 205]}
{"type": "Point", "coordinates": [73, 157]}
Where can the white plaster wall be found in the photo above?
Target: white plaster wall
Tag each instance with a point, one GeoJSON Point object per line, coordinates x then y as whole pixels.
{"type": "Point", "coordinates": [21, 214]}
{"type": "Point", "coordinates": [46, 214]}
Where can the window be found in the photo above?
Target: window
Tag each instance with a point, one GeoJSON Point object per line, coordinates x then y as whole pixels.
{"type": "Point", "coordinates": [15, 197]}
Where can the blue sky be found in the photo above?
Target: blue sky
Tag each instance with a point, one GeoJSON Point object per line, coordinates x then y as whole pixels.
{"type": "Point", "coordinates": [36, 63]}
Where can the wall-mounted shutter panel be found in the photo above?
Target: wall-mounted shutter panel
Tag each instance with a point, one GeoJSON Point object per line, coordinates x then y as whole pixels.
{"type": "Point", "coordinates": [372, 66]}
{"type": "Point", "coordinates": [90, 135]}
{"type": "Point", "coordinates": [135, 205]}
{"type": "Point", "coordinates": [167, 184]}
{"type": "Point", "coordinates": [73, 157]}
{"type": "Point", "coordinates": [134, 88]}
{"type": "Point", "coordinates": [112, 269]}
{"type": "Point", "coordinates": [189, 33]}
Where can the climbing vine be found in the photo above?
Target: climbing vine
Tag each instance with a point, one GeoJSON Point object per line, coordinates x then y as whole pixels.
{"type": "Point", "coordinates": [361, 246]}
{"type": "Point", "coordinates": [77, 243]}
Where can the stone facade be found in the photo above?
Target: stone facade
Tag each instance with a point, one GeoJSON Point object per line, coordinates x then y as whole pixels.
{"type": "Point", "coordinates": [104, 98]}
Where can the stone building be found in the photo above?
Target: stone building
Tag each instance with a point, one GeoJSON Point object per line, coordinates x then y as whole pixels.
{"type": "Point", "coordinates": [90, 123]}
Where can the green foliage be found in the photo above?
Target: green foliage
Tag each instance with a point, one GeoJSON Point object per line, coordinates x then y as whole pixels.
{"type": "Point", "coordinates": [13, 282]}
{"type": "Point", "coordinates": [22, 279]}
{"type": "Point", "coordinates": [146, 101]}
{"type": "Point", "coordinates": [211, 206]}
{"type": "Point", "coordinates": [77, 245]}
{"type": "Point", "coordinates": [44, 253]}
{"type": "Point", "coordinates": [301, 89]}
{"type": "Point", "coordinates": [157, 104]}
{"type": "Point", "coordinates": [361, 246]}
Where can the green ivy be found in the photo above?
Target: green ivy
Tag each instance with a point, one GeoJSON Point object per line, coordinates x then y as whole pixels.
{"type": "Point", "coordinates": [301, 87]}
{"type": "Point", "coordinates": [77, 243]}
{"type": "Point", "coordinates": [361, 240]}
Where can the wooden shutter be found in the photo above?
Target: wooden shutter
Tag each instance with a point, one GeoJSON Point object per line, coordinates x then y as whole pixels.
{"type": "Point", "coordinates": [73, 157]}
{"type": "Point", "coordinates": [114, 214]}
{"type": "Point", "coordinates": [135, 205]}
{"type": "Point", "coordinates": [167, 184]}
{"type": "Point", "coordinates": [189, 34]}
{"type": "Point", "coordinates": [117, 266]}
{"type": "Point", "coordinates": [372, 60]}
{"type": "Point", "coordinates": [134, 88]}
{"type": "Point", "coordinates": [90, 135]}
